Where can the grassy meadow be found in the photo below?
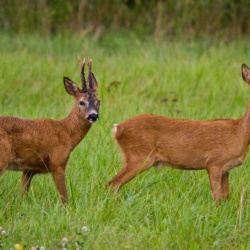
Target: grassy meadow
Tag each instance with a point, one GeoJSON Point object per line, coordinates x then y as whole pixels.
{"type": "Point", "coordinates": [159, 209]}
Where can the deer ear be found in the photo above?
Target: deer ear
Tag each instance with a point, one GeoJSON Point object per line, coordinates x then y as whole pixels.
{"type": "Point", "coordinates": [70, 87]}
{"type": "Point", "coordinates": [246, 73]}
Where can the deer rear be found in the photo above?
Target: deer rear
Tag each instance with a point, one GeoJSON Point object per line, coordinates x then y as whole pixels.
{"type": "Point", "coordinates": [214, 145]}
{"type": "Point", "coordinates": [44, 145]}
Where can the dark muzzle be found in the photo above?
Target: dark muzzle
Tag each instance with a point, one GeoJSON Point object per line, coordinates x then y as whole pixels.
{"type": "Point", "coordinates": [93, 117]}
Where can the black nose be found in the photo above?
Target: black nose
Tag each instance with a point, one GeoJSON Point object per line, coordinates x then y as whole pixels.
{"type": "Point", "coordinates": [93, 117]}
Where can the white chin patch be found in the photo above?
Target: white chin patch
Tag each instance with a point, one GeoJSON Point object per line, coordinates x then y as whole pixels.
{"type": "Point", "coordinates": [92, 121]}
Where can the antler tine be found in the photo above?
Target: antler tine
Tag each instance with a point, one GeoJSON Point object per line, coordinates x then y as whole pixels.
{"type": "Point", "coordinates": [82, 64]}
{"type": "Point", "coordinates": [90, 73]}
{"type": "Point", "coordinates": [90, 64]}
{"type": "Point", "coordinates": [91, 78]}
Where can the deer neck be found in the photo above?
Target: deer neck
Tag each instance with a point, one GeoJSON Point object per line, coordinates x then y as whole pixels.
{"type": "Point", "coordinates": [76, 125]}
{"type": "Point", "coordinates": [244, 126]}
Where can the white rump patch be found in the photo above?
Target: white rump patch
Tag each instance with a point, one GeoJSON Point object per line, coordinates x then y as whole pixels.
{"type": "Point", "coordinates": [115, 128]}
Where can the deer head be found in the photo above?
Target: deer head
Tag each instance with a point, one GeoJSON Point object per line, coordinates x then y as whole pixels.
{"type": "Point", "coordinates": [87, 99]}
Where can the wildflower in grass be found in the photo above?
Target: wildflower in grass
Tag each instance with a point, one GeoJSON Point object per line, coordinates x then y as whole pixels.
{"type": "Point", "coordinates": [64, 240]}
{"type": "Point", "coordinates": [1, 229]}
{"type": "Point", "coordinates": [41, 248]}
{"type": "Point", "coordinates": [33, 248]}
{"type": "Point", "coordinates": [84, 229]}
{"type": "Point", "coordinates": [18, 247]}
{"type": "Point", "coordinates": [3, 232]}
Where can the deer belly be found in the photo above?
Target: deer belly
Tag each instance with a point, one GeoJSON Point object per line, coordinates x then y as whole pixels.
{"type": "Point", "coordinates": [161, 164]}
{"type": "Point", "coordinates": [18, 167]}
{"type": "Point", "coordinates": [26, 165]}
{"type": "Point", "coordinates": [181, 161]}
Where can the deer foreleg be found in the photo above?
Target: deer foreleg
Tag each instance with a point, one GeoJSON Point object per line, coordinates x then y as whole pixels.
{"type": "Point", "coordinates": [225, 185]}
{"type": "Point", "coordinates": [215, 177]}
{"type": "Point", "coordinates": [59, 178]}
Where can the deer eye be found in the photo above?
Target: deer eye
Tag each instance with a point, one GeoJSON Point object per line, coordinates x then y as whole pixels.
{"type": "Point", "coordinates": [82, 103]}
{"type": "Point", "coordinates": [98, 103]}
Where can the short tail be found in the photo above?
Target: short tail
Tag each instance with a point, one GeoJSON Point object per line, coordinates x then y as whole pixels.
{"type": "Point", "coordinates": [117, 131]}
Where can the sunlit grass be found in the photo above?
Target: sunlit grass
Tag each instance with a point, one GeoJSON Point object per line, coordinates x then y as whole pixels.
{"type": "Point", "coordinates": [159, 209]}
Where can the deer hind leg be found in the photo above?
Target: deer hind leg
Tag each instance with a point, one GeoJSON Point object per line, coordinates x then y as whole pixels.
{"type": "Point", "coordinates": [215, 178]}
{"type": "Point", "coordinates": [225, 185]}
{"type": "Point", "coordinates": [3, 167]}
{"type": "Point", "coordinates": [26, 180]}
{"type": "Point", "coordinates": [128, 172]}
{"type": "Point", "coordinates": [59, 178]}
{"type": "Point", "coordinates": [5, 154]}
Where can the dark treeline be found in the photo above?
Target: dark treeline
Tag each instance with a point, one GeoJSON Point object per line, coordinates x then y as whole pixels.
{"type": "Point", "coordinates": [171, 18]}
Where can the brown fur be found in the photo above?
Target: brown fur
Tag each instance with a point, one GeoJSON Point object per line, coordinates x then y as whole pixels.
{"type": "Point", "coordinates": [215, 145]}
{"type": "Point", "coordinates": [44, 145]}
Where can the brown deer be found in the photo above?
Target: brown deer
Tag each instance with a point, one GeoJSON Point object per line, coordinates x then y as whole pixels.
{"type": "Point", "coordinates": [44, 145]}
{"type": "Point", "coordinates": [214, 145]}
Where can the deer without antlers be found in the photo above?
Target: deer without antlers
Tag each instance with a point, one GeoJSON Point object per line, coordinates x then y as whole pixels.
{"type": "Point", "coordinates": [44, 145]}
{"type": "Point", "coordinates": [214, 145]}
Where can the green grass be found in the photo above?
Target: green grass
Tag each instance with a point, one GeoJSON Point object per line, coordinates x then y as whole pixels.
{"type": "Point", "coordinates": [159, 209]}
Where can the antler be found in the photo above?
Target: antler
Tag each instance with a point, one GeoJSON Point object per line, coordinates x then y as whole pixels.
{"type": "Point", "coordinates": [90, 73]}
{"type": "Point", "coordinates": [91, 78]}
{"type": "Point", "coordinates": [82, 64]}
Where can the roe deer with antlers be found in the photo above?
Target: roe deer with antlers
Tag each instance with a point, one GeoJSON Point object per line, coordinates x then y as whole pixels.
{"type": "Point", "coordinates": [214, 145]}
{"type": "Point", "coordinates": [44, 145]}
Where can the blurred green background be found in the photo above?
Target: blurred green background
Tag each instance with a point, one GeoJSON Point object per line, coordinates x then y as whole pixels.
{"type": "Point", "coordinates": [227, 19]}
